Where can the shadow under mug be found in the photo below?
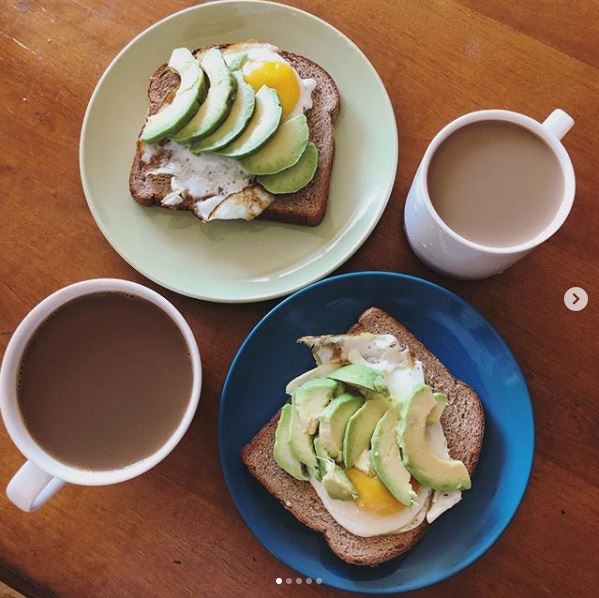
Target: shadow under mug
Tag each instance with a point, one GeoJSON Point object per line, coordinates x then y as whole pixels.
{"type": "Point", "coordinates": [42, 476]}
{"type": "Point", "coordinates": [443, 249]}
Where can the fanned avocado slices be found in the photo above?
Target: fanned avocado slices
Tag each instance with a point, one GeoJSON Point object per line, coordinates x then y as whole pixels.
{"type": "Point", "coordinates": [185, 103]}
{"type": "Point", "coordinates": [262, 126]}
{"type": "Point", "coordinates": [333, 421]}
{"type": "Point", "coordinates": [216, 106]}
{"type": "Point", "coordinates": [234, 124]}
{"type": "Point", "coordinates": [429, 469]}
{"type": "Point", "coordinates": [282, 151]}
{"type": "Point", "coordinates": [294, 178]}
{"type": "Point", "coordinates": [386, 458]}
{"type": "Point", "coordinates": [360, 427]}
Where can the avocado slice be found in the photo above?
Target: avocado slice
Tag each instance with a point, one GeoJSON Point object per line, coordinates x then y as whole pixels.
{"type": "Point", "coordinates": [282, 151]}
{"type": "Point", "coordinates": [318, 372]}
{"type": "Point", "coordinates": [282, 452]}
{"type": "Point", "coordinates": [437, 410]}
{"type": "Point", "coordinates": [333, 478]}
{"type": "Point", "coordinates": [310, 399]}
{"type": "Point", "coordinates": [300, 441]}
{"type": "Point", "coordinates": [186, 102]}
{"type": "Point", "coordinates": [321, 457]}
{"type": "Point", "coordinates": [429, 469]}
{"type": "Point", "coordinates": [218, 102]}
{"type": "Point", "coordinates": [294, 178]}
{"type": "Point", "coordinates": [386, 458]}
{"type": "Point", "coordinates": [362, 377]}
{"type": "Point", "coordinates": [262, 126]}
{"type": "Point", "coordinates": [337, 484]}
{"type": "Point", "coordinates": [333, 421]}
{"type": "Point", "coordinates": [236, 60]}
{"type": "Point", "coordinates": [360, 427]}
{"type": "Point", "coordinates": [236, 121]}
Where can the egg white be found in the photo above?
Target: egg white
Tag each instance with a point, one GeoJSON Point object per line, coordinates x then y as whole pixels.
{"type": "Point", "coordinates": [377, 351]}
{"type": "Point", "coordinates": [356, 348]}
{"type": "Point", "coordinates": [208, 178]}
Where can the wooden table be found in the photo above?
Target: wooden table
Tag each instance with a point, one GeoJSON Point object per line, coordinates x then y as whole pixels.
{"type": "Point", "coordinates": [175, 531]}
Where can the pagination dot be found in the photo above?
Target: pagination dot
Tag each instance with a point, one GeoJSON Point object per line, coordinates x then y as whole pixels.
{"type": "Point", "coordinates": [278, 580]}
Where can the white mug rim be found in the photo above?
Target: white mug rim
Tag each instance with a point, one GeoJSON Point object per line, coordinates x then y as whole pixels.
{"type": "Point", "coordinates": [12, 418]}
{"type": "Point", "coordinates": [537, 128]}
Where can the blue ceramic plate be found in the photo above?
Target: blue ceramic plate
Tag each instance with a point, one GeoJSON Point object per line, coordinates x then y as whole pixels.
{"type": "Point", "coordinates": [464, 341]}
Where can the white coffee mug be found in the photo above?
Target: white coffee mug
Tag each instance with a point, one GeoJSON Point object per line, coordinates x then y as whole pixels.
{"type": "Point", "coordinates": [42, 476]}
{"type": "Point", "coordinates": [444, 250]}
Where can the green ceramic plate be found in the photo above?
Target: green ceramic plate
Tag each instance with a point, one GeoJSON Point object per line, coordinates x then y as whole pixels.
{"type": "Point", "coordinates": [238, 261]}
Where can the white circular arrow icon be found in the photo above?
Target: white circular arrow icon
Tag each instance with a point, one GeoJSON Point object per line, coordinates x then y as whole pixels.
{"type": "Point", "coordinates": [576, 299]}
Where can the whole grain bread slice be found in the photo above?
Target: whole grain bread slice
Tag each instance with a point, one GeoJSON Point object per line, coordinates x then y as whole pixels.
{"type": "Point", "coordinates": [307, 206]}
{"type": "Point", "coordinates": [463, 422]}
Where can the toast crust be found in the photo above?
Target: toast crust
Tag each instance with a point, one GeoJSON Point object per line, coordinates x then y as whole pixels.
{"type": "Point", "coordinates": [307, 206]}
{"type": "Point", "coordinates": [463, 423]}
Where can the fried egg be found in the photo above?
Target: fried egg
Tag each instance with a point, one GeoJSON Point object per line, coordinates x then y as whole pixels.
{"type": "Point", "coordinates": [376, 511]}
{"type": "Point", "coordinates": [261, 64]}
{"type": "Point", "coordinates": [359, 519]}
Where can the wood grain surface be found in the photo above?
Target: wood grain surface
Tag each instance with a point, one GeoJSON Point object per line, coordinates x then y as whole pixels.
{"type": "Point", "coordinates": [175, 531]}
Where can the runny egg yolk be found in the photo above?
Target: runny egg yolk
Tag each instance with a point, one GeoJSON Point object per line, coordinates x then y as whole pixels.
{"type": "Point", "coordinates": [372, 494]}
{"type": "Point", "coordinates": [278, 76]}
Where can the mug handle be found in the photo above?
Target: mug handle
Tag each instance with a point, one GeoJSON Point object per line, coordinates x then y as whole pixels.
{"type": "Point", "coordinates": [31, 487]}
{"type": "Point", "coordinates": [558, 123]}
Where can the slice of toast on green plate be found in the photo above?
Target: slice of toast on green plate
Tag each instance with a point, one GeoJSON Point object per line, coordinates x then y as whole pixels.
{"type": "Point", "coordinates": [306, 206]}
